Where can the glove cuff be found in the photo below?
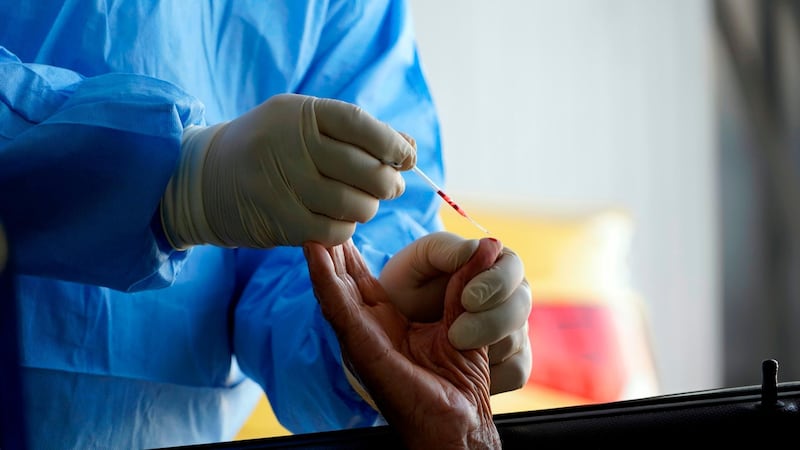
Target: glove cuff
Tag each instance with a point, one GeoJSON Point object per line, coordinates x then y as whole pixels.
{"type": "Point", "coordinates": [182, 212]}
{"type": "Point", "coordinates": [357, 386]}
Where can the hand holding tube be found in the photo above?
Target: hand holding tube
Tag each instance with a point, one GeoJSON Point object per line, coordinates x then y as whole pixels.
{"type": "Point", "coordinates": [293, 169]}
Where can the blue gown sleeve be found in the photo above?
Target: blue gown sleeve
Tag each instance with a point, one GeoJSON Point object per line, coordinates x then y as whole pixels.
{"type": "Point", "coordinates": [366, 55]}
{"type": "Point", "coordinates": [88, 158]}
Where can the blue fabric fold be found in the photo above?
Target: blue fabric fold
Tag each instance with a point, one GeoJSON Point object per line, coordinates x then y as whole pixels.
{"type": "Point", "coordinates": [126, 341]}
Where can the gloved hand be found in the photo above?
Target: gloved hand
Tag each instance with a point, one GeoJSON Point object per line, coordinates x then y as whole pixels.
{"type": "Point", "coordinates": [497, 301]}
{"type": "Point", "coordinates": [293, 169]}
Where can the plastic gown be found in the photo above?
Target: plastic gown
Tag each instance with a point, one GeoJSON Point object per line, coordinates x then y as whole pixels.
{"type": "Point", "coordinates": [125, 342]}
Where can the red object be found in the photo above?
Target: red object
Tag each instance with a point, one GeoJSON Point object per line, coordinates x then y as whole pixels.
{"type": "Point", "coordinates": [575, 350]}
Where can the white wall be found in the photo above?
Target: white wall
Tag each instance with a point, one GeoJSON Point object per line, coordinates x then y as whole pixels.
{"type": "Point", "coordinates": [586, 103]}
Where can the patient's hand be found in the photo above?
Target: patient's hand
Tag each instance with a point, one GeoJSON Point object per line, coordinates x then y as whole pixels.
{"type": "Point", "coordinates": [435, 395]}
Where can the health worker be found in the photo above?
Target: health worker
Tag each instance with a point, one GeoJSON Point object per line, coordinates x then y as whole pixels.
{"type": "Point", "coordinates": [162, 162]}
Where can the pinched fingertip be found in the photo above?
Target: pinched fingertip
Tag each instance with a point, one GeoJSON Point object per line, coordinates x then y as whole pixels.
{"type": "Point", "coordinates": [409, 139]}
{"type": "Point", "coordinates": [409, 153]}
{"type": "Point", "coordinates": [484, 257]}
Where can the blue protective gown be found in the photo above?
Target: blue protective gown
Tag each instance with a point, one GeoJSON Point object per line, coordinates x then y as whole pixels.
{"type": "Point", "coordinates": [127, 343]}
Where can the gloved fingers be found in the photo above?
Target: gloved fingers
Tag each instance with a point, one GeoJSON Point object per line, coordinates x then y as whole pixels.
{"type": "Point", "coordinates": [514, 371]}
{"type": "Point", "coordinates": [509, 346]}
{"type": "Point", "coordinates": [316, 227]}
{"type": "Point", "coordinates": [409, 139]}
{"type": "Point", "coordinates": [476, 329]}
{"type": "Point", "coordinates": [351, 165]}
{"type": "Point", "coordinates": [429, 256]}
{"type": "Point", "coordinates": [487, 253]}
{"type": "Point", "coordinates": [349, 123]}
{"type": "Point", "coordinates": [441, 251]}
{"type": "Point", "coordinates": [337, 200]}
{"type": "Point", "coordinates": [493, 286]}
{"type": "Point", "coordinates": [416, 276]}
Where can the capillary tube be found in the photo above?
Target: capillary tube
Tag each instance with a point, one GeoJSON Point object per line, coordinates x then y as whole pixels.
{"type": "Point", "coordinates": [447, 198]}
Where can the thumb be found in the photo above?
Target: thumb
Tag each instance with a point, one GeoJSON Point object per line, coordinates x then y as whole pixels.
{"type": "Point", "coordinates": [416, 277]}
{"type": "Point", "coordinates": [482, 259]}
{"type": "Point", "coordinates": [443, 252]}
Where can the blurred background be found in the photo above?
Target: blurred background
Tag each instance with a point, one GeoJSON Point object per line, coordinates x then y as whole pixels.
{"type": "Point", "coordinates": [677, 113]}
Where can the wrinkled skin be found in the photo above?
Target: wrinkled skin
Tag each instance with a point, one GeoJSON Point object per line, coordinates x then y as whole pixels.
{"type": "Point", "coordinates": [435, 395]}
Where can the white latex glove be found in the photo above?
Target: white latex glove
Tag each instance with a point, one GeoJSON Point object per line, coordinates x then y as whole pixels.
{"type": "Point", "coordinates": [497, 301]}
{"type": "Point", "coordinates": [293, 169]}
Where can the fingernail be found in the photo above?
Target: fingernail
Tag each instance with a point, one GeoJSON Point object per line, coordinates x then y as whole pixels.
{"type": "Point", "coordinates": [393, 164]}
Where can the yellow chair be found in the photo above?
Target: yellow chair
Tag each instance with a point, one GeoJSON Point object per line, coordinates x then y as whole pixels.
{"type": "Point", "coordinates": [588, 328]}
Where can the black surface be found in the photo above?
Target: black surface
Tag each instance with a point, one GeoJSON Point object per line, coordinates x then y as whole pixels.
{"type": "Point", "coordinates": [738, 416]}
{"type": "Point", "coordinates": [12, 425]}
